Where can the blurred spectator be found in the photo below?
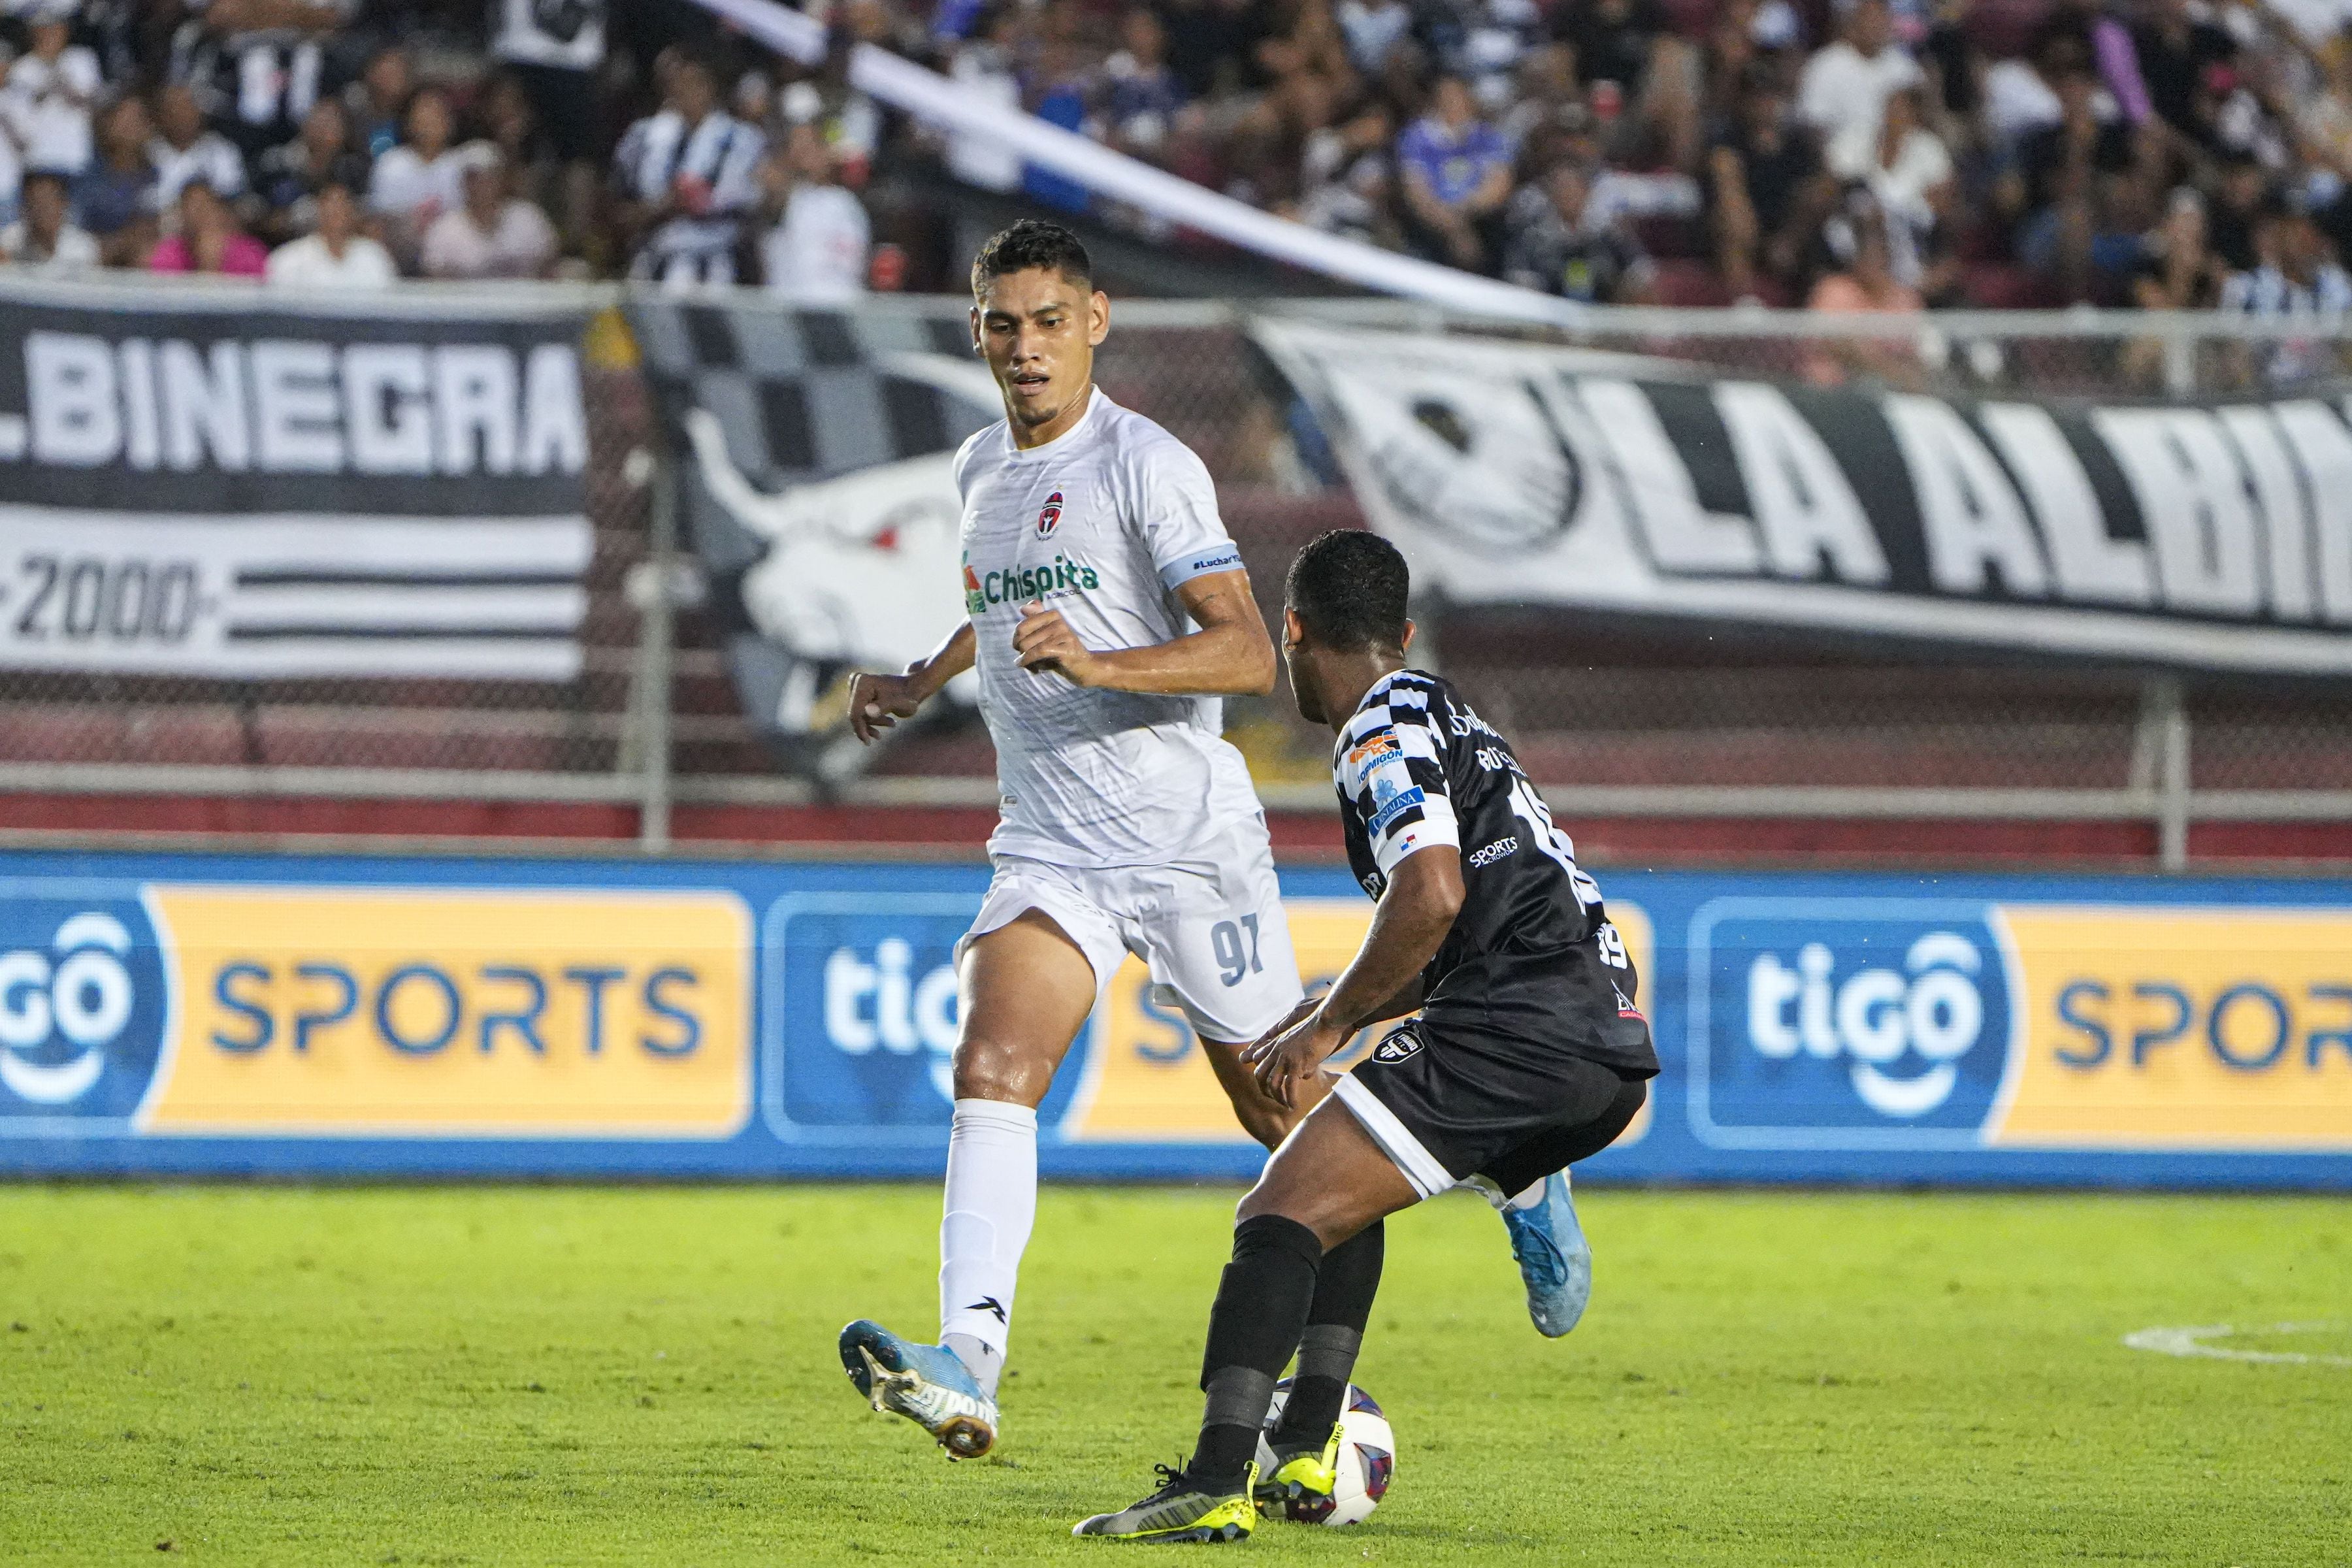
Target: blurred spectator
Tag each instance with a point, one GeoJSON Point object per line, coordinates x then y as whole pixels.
{"type": "Point", "coordinates": [255, 66]}
{"type": "Point", "coordinates": [2295, 271]}
{"type": "Point", "coordinates": [1770, 191]}
{"type": "Point", "coordinates": [983, 66]}
{"type": "Point", "coordinates": [1372, 28]}
{"type": "Point", "coordinates": [50, 89]}
{"type": "Point", "coordinates": [2181, 56]}
{"type": "Point", "coordinates": [182, 152]}
{"type": "Point", "coordinates": [1861, 277]}
{"type": "Point", "coordinates": [1457, 176]}
{"type": "Point", "coordinates": [686, 176]}
{"type": "Point", "coordinates": [2236, 211]}
{"type": "Point", "coordinates": [2296, 276]}
{"type": "Point", "coordinates": [552, 52]}
{"type": "Point", "coordinates": [377, 102]}
{"type": "Point", "coordinates": [209, 239]}
{"type": "Point", "coordinates": [1907, 170]}
{"type": "Point", "coordinates": [1143, 95]}
{"type": "Point", "coordinates": [816, 254]}
{"type": "Point", "coordinates": [1346, 183]}
{"type": "Point", "coordinates": [2060, 166]}
{"type": "Point", "coordinates": [2176, 272]}
{"type": "Point", "coordinates": [1559, 244]}
{"type": "Point", "coordinates": [45, 238]}
{"type": "Point", "coordinates": [287, 175]}
{"type": "Point", "coordinates": [1628, 55]}
{"type": "Point", "coordinates": [335, 255]}
{"type": "Point", "coordinates": [492, 233]}
{"type": "Point", "coordinates": [421, 178]}
{"type": "Point", "coordinates": [1846, 85]}
{"type": "Point", "coordinates": [115, 200]}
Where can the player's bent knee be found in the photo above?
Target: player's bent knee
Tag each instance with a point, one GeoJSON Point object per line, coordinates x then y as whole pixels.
{"type": "Point", "coordinates": [1011, 1072]}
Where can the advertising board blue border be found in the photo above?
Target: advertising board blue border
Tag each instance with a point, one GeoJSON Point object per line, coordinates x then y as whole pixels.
{"type": "Point", "coordinates": [1682, 1139]}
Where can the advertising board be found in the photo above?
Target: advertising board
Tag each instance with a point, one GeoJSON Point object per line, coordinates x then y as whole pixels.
{"type": "Point", "coordinates": [190, 1015]}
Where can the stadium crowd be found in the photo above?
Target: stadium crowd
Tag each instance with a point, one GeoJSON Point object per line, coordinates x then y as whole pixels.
{"type": "Point", "coordinates": [1852, 155]}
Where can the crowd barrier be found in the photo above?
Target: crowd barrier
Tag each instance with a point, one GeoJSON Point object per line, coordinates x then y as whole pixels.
{"type": "Point", "coordinates": [210, 1016]}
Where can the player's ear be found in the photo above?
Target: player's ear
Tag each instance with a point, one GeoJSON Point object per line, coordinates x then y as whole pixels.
{"type": "Point", "coordinates": [1097, 319]}
{"type": "Point", "coordinates": [1294, 630]}
{"type": "Point", "coordinates": [976, 345]}
{"type": "Point", "coordinates": [1406, 645]}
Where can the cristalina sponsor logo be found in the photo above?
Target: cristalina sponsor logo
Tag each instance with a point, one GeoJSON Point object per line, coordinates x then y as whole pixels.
{"type": "Point", "coordinates": [2226, 1028]}
{"type": "Point", "coordinates": [1148, 1080]}
{"type": "Point", "coordinates": [416, 1012]}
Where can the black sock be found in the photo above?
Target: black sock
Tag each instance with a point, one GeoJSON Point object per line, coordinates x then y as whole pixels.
{"type": "Point", "coordinates": [1261, 1309]}
{"type": "Point", "coordinates": [1335, 1332]}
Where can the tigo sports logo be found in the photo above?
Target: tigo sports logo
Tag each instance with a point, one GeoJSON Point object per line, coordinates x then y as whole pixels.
{"type": "Point", "coordinates": [861, 1009]}
{"type": "Point", "coordinates": [1846, 1023]}
{"type": "Point", "coordinates": [82, 1008]}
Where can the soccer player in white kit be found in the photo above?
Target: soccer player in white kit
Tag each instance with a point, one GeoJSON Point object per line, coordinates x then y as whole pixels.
{"type": "Point", "coordinates": [1107, 613]}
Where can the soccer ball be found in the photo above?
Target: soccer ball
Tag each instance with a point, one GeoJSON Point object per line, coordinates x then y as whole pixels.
{"type": "Point", "coordinates": [1367, 1460]}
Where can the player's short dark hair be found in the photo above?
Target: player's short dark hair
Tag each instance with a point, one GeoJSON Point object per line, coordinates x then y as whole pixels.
{"type": "Point", "coordinates": [1350, 588]}
{"type": "Point", "coordinates": [1031, 242]}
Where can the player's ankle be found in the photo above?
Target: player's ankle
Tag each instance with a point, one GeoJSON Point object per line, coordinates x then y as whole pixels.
{"type": "Point", "coordinates": [1218, 1483]}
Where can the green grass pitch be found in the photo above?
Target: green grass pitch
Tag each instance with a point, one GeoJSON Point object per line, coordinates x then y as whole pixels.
{"type": "Point", "coordinates": [646, 1375]}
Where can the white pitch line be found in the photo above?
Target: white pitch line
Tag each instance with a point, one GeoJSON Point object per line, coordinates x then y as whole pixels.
{"type": "Point", "coordinates": [2192, 1342]}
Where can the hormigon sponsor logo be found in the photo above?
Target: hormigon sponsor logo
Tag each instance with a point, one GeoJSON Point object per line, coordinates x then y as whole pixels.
{"type": "Point", "coordinates": [1018, 584]}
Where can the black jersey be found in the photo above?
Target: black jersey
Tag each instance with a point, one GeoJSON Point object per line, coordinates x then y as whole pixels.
{"type": "Point", "coordinates": [1532, 955]}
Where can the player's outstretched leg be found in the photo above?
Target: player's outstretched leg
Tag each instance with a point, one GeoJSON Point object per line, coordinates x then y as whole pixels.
{"type": "Point", "coordinates": [1328, 1180]}
{"type": "Point", "coordinates": [927, 1385]}
{"type": "Point", "coordinates": [1026, 988]}
{"type": "Point", "coordinates": [1296, 1482]}
{"type": "Point", "coordinates": [1554, 1259]}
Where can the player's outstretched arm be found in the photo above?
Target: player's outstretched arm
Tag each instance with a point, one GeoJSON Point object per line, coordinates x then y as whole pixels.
{"type": "Point", "coordinates": [1425, 894]}
{"type": "Point", "coordinates": [1230, 656]}
{"type": "Point", "coordinates": [878, 702]}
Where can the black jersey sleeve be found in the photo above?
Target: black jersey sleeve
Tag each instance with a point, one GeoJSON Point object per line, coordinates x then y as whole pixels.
{"type": "Point", "coordinates": [1390, 768]}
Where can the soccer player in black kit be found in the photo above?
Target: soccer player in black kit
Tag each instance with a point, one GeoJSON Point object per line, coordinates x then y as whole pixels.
{"type": "Point", "coordinates": [1526, 1051]}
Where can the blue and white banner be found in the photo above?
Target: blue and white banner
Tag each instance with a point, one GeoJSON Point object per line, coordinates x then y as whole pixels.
{"type": "Point", "coordinates": [186, 1014]}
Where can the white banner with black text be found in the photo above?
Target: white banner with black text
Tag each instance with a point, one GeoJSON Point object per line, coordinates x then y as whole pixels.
{"type": "Point", "coordinates": [209, 486]}
{"type": "Point", "coordinates": [2214, 535]}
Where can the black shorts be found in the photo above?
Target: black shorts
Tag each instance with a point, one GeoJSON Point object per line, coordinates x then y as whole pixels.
{"type": "Point", "coordinates": [566, 102]}
{"type": "Point", "coordinates": [1450, 1104]}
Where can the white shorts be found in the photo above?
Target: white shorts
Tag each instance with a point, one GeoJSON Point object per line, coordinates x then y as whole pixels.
{"type": "Point", "coordinates": [1209, 923]}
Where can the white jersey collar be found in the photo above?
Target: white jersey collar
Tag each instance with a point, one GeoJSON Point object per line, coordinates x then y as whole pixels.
{"type": "Point", "coordinates": [1096, 401]}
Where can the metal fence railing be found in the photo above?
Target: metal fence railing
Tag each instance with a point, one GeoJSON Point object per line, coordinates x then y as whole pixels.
{"type": "Point", "coordinates": [1663, 727]}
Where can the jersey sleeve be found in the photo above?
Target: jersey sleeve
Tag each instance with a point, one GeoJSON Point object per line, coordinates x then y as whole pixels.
{"type": "Point", "coordinates": [1178, 505]}
{"type": "Point", "coordinates": [1392, 768]}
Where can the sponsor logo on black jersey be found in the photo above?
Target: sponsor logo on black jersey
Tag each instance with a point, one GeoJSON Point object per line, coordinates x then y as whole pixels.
{"type": "Point", "coordinates": [1495, 851]}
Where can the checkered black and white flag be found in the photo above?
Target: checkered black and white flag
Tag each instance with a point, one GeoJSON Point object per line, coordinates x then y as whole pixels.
{"type": "Point", "coordinates": [813, 459]}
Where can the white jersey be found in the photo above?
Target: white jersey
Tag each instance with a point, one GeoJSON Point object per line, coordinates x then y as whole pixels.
{"type": "Point", "coordinates": [1103, 524]}
{"type": "Point", "coordinates": [566, 34]}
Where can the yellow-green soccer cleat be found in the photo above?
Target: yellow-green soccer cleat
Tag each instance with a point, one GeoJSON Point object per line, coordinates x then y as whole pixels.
{"type": "Point", "coordinates": [1300, 1485]}
{"type": "Point", "coordinates": [1181, 1513]}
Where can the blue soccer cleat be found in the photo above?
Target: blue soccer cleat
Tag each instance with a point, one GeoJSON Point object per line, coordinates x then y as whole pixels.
{"type": "Point", "coordinates": [1554, 1259]}
{"type": "Point", "coordinates": [927, 1385]}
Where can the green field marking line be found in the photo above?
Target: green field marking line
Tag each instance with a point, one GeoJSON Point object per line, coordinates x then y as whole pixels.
{"type": "Point", "coordinates": [2192, 1342]}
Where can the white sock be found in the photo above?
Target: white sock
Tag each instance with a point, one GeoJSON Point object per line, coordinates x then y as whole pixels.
{"type": "Point", "coordinates": [991, 1203]}
{"type": "Point", "coordinates": [1502, 1200]}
